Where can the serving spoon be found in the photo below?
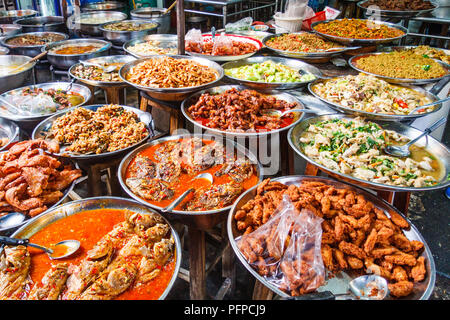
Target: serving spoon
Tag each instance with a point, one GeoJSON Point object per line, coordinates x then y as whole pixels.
{"type": "Point", "coordinates": [60, 250]}
{"type": "Point", "coordinates": [11, 220]}
{"type": "Point", "coordinates": [429, 105]}
{"type": "Point", "coordinates": [403, 151]}
{"type": "Point", "coordinates": [178, 200]}
{"type": "Point", "coordinates": [367, 287]}
{"type": "Point", "coordinates": [280, 114]}
{"type": "Point", "coordinates": [108, 69]}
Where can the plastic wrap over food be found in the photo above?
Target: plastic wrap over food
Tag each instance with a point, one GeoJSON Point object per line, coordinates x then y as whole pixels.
{"type": "Point", "coordinates": [243, 24]}
{"type": "Point", "coordinates": [194, 41]}
{"type": "Point", "coordinates": [223, 46]}
{"type": "Point", "coordinates": [286, 250]}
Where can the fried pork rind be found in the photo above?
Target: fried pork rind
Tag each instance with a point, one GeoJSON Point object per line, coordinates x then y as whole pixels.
{"type": "Point", "coordinates": [356, 234]}
{"type": "Point", "coordinates": [30, 180]}
{"type": "Point", "coordinates": [286, 250]}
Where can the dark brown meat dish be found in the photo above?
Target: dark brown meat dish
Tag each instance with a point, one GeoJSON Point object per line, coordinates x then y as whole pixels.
{"type": "Point", "coordinates": [355, 234]}
{"type": "Point", "coordinates": [400, 5]}
{"type": "Point", "coordinates": [239, 111]}
{"type": "Point", "coordinates": [30, 180]}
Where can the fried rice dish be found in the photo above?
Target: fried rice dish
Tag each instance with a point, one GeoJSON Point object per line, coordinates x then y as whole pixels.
{"type": "Point", "coordinates": [301, 42]}
{"type": "Point", "coordinates": [408, 65]}
{"type": "Point", "coordinates": [108, 129]}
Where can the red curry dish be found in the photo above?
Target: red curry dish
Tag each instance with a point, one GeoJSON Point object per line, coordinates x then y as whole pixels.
{"type": "Point", "coordinates": [124, 255]}
{"type": "Point", "coordinates": [162, 172]}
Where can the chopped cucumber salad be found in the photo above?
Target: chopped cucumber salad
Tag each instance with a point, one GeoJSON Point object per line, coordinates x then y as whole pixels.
{"type": "Point", "coordinates": [268, 71]}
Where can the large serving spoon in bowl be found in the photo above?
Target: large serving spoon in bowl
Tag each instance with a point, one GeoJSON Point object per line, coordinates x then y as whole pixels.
{"type": "Point", "coordinates": [178, 200]}
{"type": "Point", "coordinates": [107, 69]}
{"type": "Point", "coordinates": [60, 250]}
{"type": "Point", "coordinates": [429, 105]}
{"type": "Point", "coordinates": [403, 151]}
{"type": "Point", "coordinates": [281, 114]}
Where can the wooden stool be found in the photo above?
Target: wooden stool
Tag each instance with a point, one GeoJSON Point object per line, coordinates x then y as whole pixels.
{"type": "Point", "coordinates": [113, 94]}
{"type": "Point", "coordinates": [95, 171]}
{"type": "Point", "coordinates": [176, 120]}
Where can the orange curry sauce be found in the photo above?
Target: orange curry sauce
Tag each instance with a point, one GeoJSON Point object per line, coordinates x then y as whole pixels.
{"type": "Point", "coordinates": [186, 181]}
{"type": "Point", "coordinates": [89, 227]}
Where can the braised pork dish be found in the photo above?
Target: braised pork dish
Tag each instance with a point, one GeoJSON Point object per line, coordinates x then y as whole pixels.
{"type": "Point", "coordinates": [355, 147]}
{"type": "Point", "coordinates": [162, 172]}
{"type": "Point", "coordinates": [356, 235]}
{"type": "Point", "coordinates": [30, 181]}
{"type": "Point", "coordinates": [123, 255]}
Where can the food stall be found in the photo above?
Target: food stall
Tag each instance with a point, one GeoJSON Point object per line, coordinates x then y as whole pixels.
{"type": "Point", "coordinates": [181, 161]}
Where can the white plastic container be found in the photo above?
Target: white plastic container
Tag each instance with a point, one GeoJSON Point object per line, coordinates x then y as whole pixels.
{"type": "Point", "coordinates": [291, 24]}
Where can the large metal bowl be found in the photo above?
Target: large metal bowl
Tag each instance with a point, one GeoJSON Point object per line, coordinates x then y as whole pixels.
{"type": "Point", "coordinates": [401, 48]}
{"type": "Point", "coordinates": [14, 224]}
{"type": "Point", "coordinates": [65, 61]}
{"type": "Point", "coordinates": [217, 90]}
{"type": "Point", "coordinates": [238, 38]}
{"type": "Point", "coordinates": [30, 50]}
{"type": "Point", "coordinates": [42, 129]}
{"type": "Point", "coordinates": [101, 60]}
{"type": "Point", "coordinates": [378, 115]}
{"type": "Point", "coordinates": [4, 51]}
{"type": "Point", "coordinates": [352, 63]}
{"type": "Point", "coordinates": [15, 80]}
{"type": "Point", "coordinates": [121, 37]}
{"type": "Point", "coordinates": [165, 41]}
{"type": "Point", "coordinates": [361, 42]}
{"type": "Point", "coordinates": [156, 14]}
{"type": "Point", "coordinates": [375, 11]}
{"type": "Point", "coordinates": [171, 94]}
{"type": "Point", "coordinates": [9, 130]}
{"type": "Point", "coordinates": [267, 86]}
{"type": "Point", "coordinates": [103, 6]}
{"type": "Point", "coordinates": [439, 150]}
{"type": "Point", "coordinates": [313, 57]}
{"type": "Point", "coordinates": [7, 30]}
{"type": "Point", "coordinates": [339, 283]}
{"type": "Point", "coordinates": [202, 220]}
{"type": "Point", "coordinates": [74, 207]}
{"type": "Point", "coordinates": [41, 24]}
{"type": "Point", "coordinates": [29, 122]}
{"type": "Point", "coordinates": [9, 16]}
{"type": "Point", "coordinates": [93, 29]}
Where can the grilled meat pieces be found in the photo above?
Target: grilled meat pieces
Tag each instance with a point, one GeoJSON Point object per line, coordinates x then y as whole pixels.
{"type": "Point", "coordinates": [216, 196]}
{"type": "Point", "coordinates": [238, 170]}
{"type": "Point", "coordinates": [150, 189]}
{"type": "Point", "coordinates": [14, 269]}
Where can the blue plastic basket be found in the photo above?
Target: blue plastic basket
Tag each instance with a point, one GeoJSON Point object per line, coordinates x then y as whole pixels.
{"type": "Point", "coordinates": [317, 5]}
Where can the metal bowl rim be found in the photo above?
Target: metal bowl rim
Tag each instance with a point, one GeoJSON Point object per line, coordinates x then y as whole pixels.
{"type": "Point", "coordinates": [37, 46]}
{"type": "Point", "coordinates": [32, 64]}
{"type": "Point", "coordinates": [379, 186]}
{"type": "Point", "coordinates": [102, 26]}
{"type": "Point", "coordinates": [16, 130]}
{"type": "Point", "coordinates": [106, 46]}
{"type": "Point", "coordinates": [383, 12]}
{"type": "Point", "coordinates": [53, 23]}
{"type": "Point", "coordinates": [130, 156]}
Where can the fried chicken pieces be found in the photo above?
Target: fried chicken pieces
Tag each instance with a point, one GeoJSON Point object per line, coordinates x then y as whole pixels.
{"type": "Point", "coordinates": [356, 235]}
{"type": "Point", "coordinates": [31, 181]}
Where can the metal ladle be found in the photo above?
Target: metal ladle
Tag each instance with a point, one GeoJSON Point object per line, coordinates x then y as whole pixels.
{"type": "Point", "coordinates": [177, 201]}
{"type": "Point", "coordinates": [68, 247]}
{"type": "Point", "coordinates": [280, 114]}
{"type": "Point", "coordinates": [367, 287]}
{"type": "Point", "coordinates": [429, 105]}
{"type": "Point", "coordinates": [403, 151]}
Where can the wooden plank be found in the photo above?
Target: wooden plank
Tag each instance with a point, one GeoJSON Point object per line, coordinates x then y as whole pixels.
{"type": "Point", "coordinates": [197, 272]}
{"type": "Point", "coordinates": [181, 27]}
{"type": "Point", "coordinates": [261, 292]}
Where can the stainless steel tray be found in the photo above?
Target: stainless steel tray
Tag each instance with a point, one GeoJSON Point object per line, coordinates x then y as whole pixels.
{"type": "Point", "coordinates": [392, 13]}
{"type": "Point", "coordinates": [172, 94]}
{"type": "Point", "coordinates": [265, 86]}
{"type": "Point", "coordinates": [339, 283]}
{"type": "Point", "coordinates": [202, 220]}
{"type": "Point", "coordinates": [439, 150]}
{"type": "Point", "coordinates": [379, 116]}
{"type": "Point", "coordinates": [61, 212]}
{"type": "Point", "coordinates": [99, 60]}
{"type": "Point", "coordinates": [352, 64]}
{"type": "Point", "coordinates": [362, 42]}
{"type": "Point", "coordinates": [41, 130]}
{"type": "Point", "coordinates": [216, 90]}
{"type": "Point", "coordinates": [35, 119]}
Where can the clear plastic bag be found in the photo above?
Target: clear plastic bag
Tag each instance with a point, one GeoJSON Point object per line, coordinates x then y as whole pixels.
{"type": "Point", "coordinates": [222, 46]}
{"type": "Point", "coordinates": [194, 41]}
{"type": "Point", "coordinates": [243, 24]}
{"type": "Point", "coordinates": [286, 250]}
